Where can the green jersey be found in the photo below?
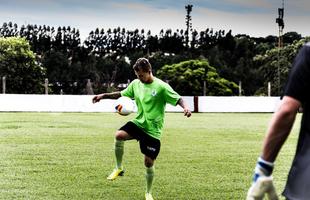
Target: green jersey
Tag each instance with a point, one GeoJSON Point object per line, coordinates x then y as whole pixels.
{"type": "Point", "coordinates": [151, 100]}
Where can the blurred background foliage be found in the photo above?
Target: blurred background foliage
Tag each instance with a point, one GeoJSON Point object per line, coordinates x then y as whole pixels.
{"type": "Point", "coordinates": [105, 58]}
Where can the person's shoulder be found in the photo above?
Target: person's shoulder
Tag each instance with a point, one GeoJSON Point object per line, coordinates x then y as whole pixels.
{"type": "Point", "coordinates": [161, 83]}
{"type": "Point", "coordinates": [134, 81]}
{"type": "Point", "coordinates": [305, 51]}
{"type": "Point", "coordinates": [306, 46]}
{"type": "Point", "coordinates": [158, 80]}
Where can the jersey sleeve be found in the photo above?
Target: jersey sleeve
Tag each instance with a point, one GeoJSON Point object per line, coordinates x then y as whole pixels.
{"type": "Point", "coordinates": [129, 91]}
{"type": "Point", "coordinates": [298, 84]}
{"type": "Point", "coordinates": [171, 96]}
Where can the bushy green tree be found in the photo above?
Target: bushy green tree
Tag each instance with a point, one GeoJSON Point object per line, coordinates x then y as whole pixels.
{"type": "Point", "coordinates": [101, 57]}
{"type": "Point", "coordinates": [276, 63]}
{"type": "Point", "coordinates": [18, 64]}
{"type": "Point", "coordinates": [187, 78]}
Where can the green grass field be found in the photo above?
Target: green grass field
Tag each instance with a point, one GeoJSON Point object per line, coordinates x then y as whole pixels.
{"type": "Point", "coordinates": [69, 155]}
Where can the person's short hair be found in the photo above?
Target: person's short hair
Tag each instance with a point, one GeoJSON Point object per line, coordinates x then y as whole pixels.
{"type": "Point", "coordinates": [142, 64]}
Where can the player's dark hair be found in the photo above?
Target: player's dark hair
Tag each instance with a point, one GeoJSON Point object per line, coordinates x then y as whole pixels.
{"type": "Point", "coordinates": [142, 64]}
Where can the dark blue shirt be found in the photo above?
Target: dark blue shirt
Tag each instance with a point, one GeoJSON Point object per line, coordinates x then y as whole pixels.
{"type": "Point", "coordinates": [298, 87]}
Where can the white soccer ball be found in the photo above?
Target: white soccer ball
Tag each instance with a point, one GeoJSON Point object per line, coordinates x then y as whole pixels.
{"type": "Point", "coordinates": [124, 105]}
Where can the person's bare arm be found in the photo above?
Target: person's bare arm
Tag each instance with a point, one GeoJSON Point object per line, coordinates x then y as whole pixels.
{"type": "Point", "coordinates": [183, 104]}
{"type": "Point", "coordinates": [279, 128]}
{"type": "Point", "coordinates": [111, 95]}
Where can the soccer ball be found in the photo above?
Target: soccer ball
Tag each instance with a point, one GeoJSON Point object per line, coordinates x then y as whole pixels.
{"type": "Point", "coordinates": [124, 105]}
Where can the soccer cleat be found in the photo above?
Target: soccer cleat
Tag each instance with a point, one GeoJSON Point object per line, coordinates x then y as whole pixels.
{"type": "Point", "coordinates": [115, 174]}
{"type": "Point", "coordinates": [148, 196]}
{"type": "Point", "coordinates": [262, 186]}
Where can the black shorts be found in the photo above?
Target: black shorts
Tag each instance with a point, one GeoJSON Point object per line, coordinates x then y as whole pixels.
{"type": "Point", "coordinates": [149, 146]}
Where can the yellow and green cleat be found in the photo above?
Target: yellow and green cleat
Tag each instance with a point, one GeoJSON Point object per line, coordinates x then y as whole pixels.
{"type": "Point", "coordinates": [115, 174]}
{"type": "Point", "coordinates": [148, 196]}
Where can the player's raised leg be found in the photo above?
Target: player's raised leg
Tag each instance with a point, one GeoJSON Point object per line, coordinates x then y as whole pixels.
{"type": "Point", "coordinates": [120, 137]}
{"type": "Point", "coordinates": [119, 152]}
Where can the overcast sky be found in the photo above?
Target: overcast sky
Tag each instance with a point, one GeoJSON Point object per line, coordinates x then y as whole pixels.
{"type": "Point", "coordinates": [252, 17]}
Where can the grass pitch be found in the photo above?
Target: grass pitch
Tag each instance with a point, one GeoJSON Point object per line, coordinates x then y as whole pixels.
{"type": "Point", "coordinates": [69, 155]}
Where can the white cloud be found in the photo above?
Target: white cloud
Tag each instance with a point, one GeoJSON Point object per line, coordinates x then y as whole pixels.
{"type": "Point", "coordinates": [251, 3]}
{"type": "Point", "coordinates": [87, 16]}
{"type": "Point", "coordinates": [239, 23]}
{"type": "Point", "coordinates": [259, 25]}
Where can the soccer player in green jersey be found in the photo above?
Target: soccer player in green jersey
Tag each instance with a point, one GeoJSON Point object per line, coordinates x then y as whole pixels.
{"type": "Point", "coordinates": [151, 95]}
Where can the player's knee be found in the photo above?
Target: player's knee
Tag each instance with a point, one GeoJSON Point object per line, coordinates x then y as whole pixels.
{"type": "Point", "coordinates": [119, 135]}
{"type": "Point", "coordinates": [148, 162]}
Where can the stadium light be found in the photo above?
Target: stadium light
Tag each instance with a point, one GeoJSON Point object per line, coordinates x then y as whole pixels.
{"type": "Point", "coordinates": [280, 23]}
{"type": "Point", "coordinates": [188, 19]}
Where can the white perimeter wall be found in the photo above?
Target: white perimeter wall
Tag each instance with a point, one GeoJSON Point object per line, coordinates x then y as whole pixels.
{"type": "Point", "coordinates": [83, 103]}
{"type": "Point", "coordinates": [238, 104]}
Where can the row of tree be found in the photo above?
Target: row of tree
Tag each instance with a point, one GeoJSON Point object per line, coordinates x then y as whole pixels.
{"type": "Point", "coordinates": [106, 57]}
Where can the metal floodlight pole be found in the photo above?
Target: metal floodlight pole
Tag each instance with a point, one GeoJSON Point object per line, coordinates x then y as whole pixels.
{"type": "Point", "coordinates": [188, 19]}
{"type": "Point", "coordinates": [280, 23]}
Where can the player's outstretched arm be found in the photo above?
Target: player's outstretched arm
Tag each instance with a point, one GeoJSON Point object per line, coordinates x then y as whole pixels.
{"type": "Point", "coordinates": [97, 98]}
{"type": "Point", "coordinates": [279, 128]}
{"type": "Point", "coordinates": [183, 104]}
{"type": "Point", "coordinates": [112, 95]}
{"type": "Point", "coordinates": [278, 131]}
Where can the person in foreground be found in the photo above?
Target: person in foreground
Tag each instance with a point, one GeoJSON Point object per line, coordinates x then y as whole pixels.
{"type": "Point", "coordinates": [151, 95]}
{"type": "Point", "coordinates": [296, 95]}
